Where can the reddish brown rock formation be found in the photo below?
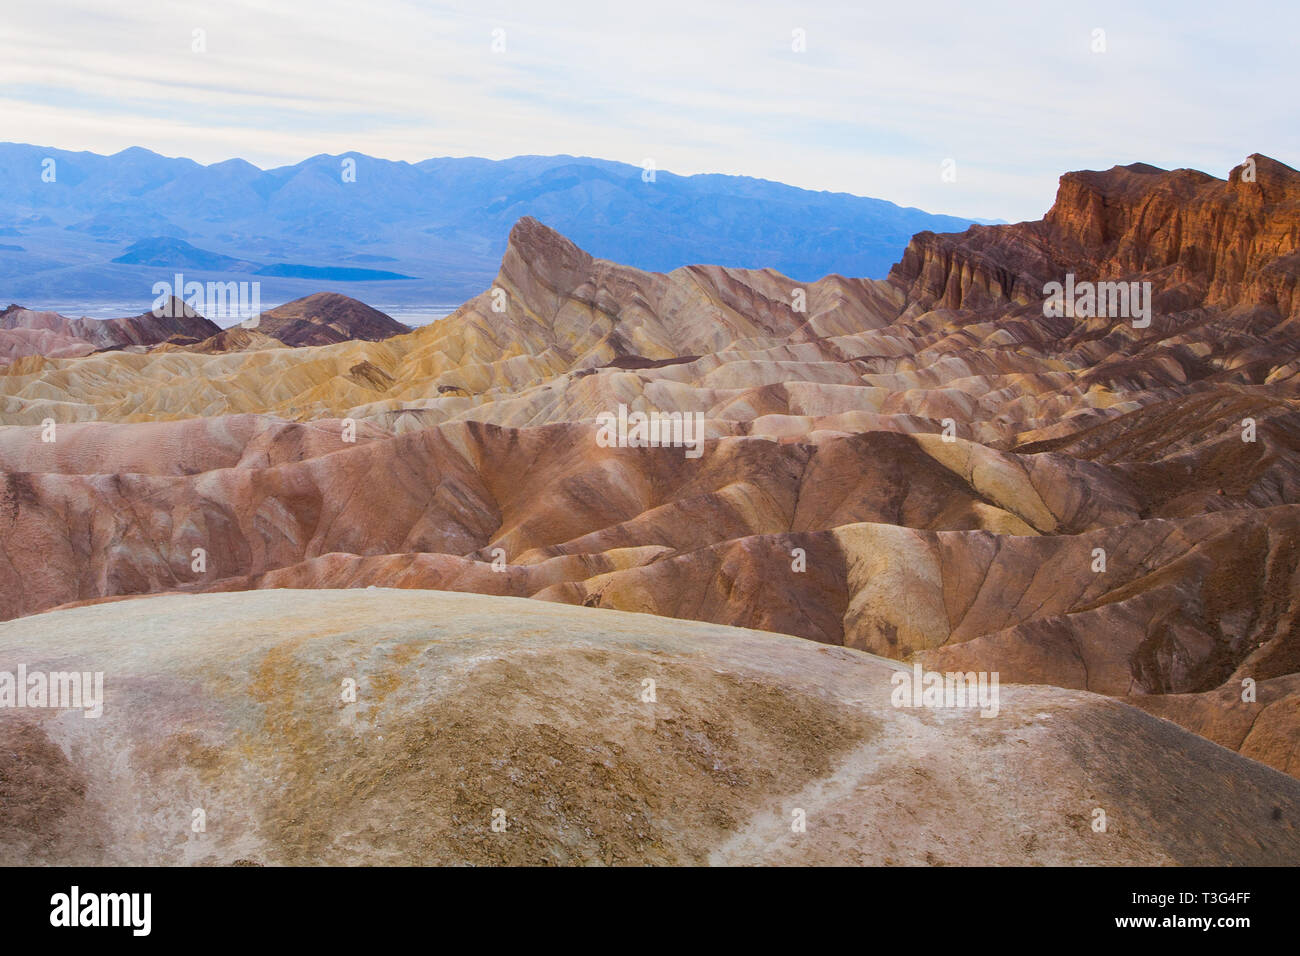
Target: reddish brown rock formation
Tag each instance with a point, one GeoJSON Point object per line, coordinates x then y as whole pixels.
{"type": "Point", "coordinates": [26, 332]}
{"type": "Point", "coordinates": [326, 318]}
{"type": "Point", "coordinates": [1201, 240]}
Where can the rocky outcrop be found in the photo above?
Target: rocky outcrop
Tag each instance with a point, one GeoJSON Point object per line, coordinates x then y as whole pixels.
{"type": "Point", "coordinates": [1200, 240]}
{"type": "Point", "coordinates": [237, 338]}
{"type": "Point", "coordinates": [326, 318]}
{"type": "Point", "coordinates": [26, 332]}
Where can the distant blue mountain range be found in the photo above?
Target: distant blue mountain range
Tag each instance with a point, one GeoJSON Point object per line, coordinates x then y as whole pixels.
{"type": "Point", "coordinates": [93, 227]}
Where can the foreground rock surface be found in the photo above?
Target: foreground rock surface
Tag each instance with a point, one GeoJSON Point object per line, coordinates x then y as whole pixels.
{"type": "Point", "coordinates": [232, 704]}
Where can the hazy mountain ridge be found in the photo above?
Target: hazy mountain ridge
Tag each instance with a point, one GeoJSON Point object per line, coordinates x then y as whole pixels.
{"type": "Point", "coordinates": [442, 220]}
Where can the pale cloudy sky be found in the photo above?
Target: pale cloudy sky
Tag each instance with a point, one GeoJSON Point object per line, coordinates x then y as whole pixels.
{"type": "Point", "coordinates": [882, 95]}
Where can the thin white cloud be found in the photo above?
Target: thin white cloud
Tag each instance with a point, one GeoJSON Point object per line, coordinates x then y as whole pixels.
{"type": "Point", "coordinates": [883, 94]}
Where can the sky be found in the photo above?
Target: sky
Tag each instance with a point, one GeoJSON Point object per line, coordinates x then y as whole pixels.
{"type": "Point", "coordinates": [971, 109]}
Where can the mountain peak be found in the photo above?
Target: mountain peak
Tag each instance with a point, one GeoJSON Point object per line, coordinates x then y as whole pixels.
{"type": "Point", "coordinates": [529, 234]}
{"type": "Point", "coordinates": [175, 308]}
{"type": "Point", "coordinates": [536, 245]}
{"type": "Point", "coordinates": [1277, 181]}
{"type": "Point", "coordinates": [325, 318]}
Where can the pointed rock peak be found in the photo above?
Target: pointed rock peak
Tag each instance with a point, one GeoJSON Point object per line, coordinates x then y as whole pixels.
{"type": "Point", "coordinates": [135, 151]}
{"type": "Point", "coordinates": [236, 165]}
{"type": "Point", "coordinates": [536, 244]}
{"type": "Point", "coordinates": [1277, 180]}
{"type": "Point", "coordinates": [174, 308]}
